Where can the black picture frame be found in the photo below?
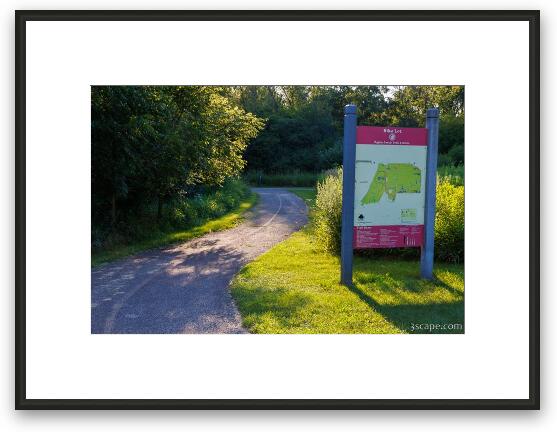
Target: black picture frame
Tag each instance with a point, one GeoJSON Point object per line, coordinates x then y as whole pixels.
{"type": "Point", "coordinates": [531, 16]}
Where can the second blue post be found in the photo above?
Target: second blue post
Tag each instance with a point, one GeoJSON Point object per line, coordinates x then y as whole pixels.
{"type": "Point", "coordinates": [432, 125]}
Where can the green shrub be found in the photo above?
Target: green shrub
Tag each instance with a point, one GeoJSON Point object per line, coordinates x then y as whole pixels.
{"type": "Point", "coordinates": [451, 136]}
{"type": "Point", "coordinates": [328, 211]}
{"type": "Point", "coordinates": [212, 204]}
{"type": "Point", "coordinates": [449, 220]}
{"type": "Point", "coordinates": [454, 174]}
{"type": "Point", "coordinates": [457, 154]}
{"type": "Point", "coordinates": [444, 160]}
{"type": "Point", "coordinates": [181, 213]}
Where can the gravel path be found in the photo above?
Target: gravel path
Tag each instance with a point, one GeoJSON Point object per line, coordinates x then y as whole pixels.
{"type": "Point", "coordinates": [184, 288]}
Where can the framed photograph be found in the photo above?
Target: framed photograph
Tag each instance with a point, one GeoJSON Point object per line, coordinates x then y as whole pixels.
{"type": "Point", "coordinates": [267, 209]}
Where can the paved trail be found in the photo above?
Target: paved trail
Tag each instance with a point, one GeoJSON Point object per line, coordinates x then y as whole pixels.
{"type": "Point", "coordinates": [184, 288]}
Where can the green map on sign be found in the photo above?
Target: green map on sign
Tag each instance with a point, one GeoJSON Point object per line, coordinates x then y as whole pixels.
{"type": "Point", "coordinates": [391, 179]}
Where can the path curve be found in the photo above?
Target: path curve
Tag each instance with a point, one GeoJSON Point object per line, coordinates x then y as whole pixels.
{"type": "Point", "coordinates": [184, 288]}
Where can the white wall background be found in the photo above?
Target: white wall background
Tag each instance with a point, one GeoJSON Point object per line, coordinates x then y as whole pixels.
{"type": "Point", "coordinates": [138, 421]}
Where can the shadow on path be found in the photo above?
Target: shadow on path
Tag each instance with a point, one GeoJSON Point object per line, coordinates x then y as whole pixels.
{"type": "Point", "coordinates": [184, 288]}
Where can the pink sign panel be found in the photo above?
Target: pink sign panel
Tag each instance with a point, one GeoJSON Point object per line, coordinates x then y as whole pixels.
{"type": "Point", "coordinates": [383, 135]}
{"type": "Point", "coordinates": [388, 236]}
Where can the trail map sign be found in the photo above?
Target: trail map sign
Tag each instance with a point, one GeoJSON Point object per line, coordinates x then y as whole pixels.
{"type": "Point", "coordinates": [389, 196]}
{"type": "Point", "coordinates": [388, 189]}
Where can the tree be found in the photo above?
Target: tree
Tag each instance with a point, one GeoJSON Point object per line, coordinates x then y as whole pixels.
{"type": "Point", "coordinates": [304, 123]}
{"type": "Point", "coordinates": [407, 106]}
{"type": "Point", "coordinates": [151, 143]}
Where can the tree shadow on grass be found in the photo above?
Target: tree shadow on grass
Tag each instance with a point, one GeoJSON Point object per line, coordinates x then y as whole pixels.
{"type": "Point", "coordinates": [419, 317]}
{"type": "Point", "coordinates": [418, 286]}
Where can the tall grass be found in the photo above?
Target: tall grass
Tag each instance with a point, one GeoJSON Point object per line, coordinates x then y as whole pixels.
{"type": "Point", "coordinates": [328, 212]}
{"type": "Point", "coordinates": [452, 174]}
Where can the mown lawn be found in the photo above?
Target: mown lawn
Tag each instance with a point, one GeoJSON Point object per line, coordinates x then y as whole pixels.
{"type": "Point", "coordinates": [294, 288]}
{"type": "Point", "coordinates": [161, 239]}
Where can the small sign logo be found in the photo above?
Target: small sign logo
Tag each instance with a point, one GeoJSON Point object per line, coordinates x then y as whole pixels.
{"type": "Point", "coordinates": [392, 136]}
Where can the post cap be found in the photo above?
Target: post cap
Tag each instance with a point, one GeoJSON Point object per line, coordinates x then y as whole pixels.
{"type": "Point", "coordinates": [350, 109]}
{"type": "Point", "coordinates": [433, 113]}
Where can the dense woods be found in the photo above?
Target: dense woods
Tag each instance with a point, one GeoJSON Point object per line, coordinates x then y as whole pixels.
{"type": "Point", "coordinates": [303, 124]}
{"type": "Point", "coordinates": [156, 147]}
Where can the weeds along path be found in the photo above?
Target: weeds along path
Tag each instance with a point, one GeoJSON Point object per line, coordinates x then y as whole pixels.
{"type": "Point", "coordinates": [184, 288]}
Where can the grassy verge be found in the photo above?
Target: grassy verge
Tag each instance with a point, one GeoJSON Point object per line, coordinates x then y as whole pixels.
{"type": "Point", "coordinates": [454, 174]}
{"type": "Point", "coordinates": [295, 178]}
{"type": "Point", "coordinates": [294, 288]}
{"type": "Point", "coordinates": [161, 239]}
{"type": "Point", "coordinates": [307, 194]}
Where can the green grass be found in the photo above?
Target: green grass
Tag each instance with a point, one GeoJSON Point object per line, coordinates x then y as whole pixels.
{"type": "Point", "coordinates": [307, 194]}
{"type": "Point", "coordinates": [294, 288]}
{"type": "Point", "coordinates": [161, 239]}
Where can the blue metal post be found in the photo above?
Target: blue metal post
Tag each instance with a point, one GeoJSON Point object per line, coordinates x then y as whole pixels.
{"type": "Point", "coordinates": [432, 125]}
{"type": "Point", "coordinates": [348, 184]}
